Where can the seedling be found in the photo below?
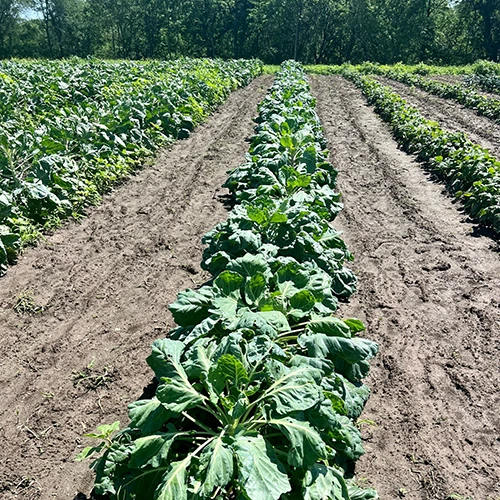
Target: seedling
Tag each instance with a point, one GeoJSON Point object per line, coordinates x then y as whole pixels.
{"type": "Point", "coordinates": [26, 304]}
{"type": "Point", "coordinates": [91, 379]}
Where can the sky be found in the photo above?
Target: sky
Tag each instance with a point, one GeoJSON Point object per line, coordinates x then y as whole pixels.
{"type": "Point", "coordinates": [30, 14]}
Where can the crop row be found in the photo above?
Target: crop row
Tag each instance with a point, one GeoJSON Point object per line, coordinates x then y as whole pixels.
{"type": "Point", "coordinates": [469, 171]}
{"type": "Point", "coordinates": [72, 129]}
{"type": "Point", "coordinates": [465, 95]}
{"type": "Point", "coordinates": [260, 385]}
{"type": "Point", "coordinates": [371, 68]}
{"type": "Point", "coordinates": [489, 83]}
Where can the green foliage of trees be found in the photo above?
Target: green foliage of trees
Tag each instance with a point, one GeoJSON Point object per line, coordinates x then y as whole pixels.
{"type": "Point", "coordinates": [313, 31]}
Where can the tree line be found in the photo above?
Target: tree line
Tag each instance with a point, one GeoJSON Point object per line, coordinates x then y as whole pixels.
{"type": "Point", "coordinates": [311, 31]}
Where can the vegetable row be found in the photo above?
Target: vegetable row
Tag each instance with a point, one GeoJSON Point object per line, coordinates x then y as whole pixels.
{"type": "Point", "coordinates": [463, 94]}
{"type": "Point", "coordinates": [489, 83]}
{"type": "Point", "coordinates": [469, 171]}
{"type": "Point", "coordinates": [481, 76]}
{"type": "Point", "coordinates": [71, 129]}
{"type": "Point", "coordinates": [260, 385]}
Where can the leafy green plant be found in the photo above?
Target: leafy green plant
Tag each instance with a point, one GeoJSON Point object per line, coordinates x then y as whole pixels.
{"type": "Point", "coordinates": [465, 95]}
{"type": "Point", "coordinates": [259, 386]}
{"type": "Point", "coordinates": [71, 129]}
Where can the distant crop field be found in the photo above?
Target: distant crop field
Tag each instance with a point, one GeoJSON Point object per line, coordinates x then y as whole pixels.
{"type": "Point", "coordinates": [71, 129]}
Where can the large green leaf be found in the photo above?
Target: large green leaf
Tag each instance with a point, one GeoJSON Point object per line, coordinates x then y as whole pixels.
{"type": "Point", "coordinates": [349, 355]}
{"type": "Point", "coordinates": [216, 464]}
{"type": "Point", "coordinates": [306, 445]}
{"type": "Point", "coordinates": [255, 287]}
{"type": "Point", "coordinates": [165, 359]}
{"type": "Point", "coordinates": [293, 390]}
{"type": "Point", "coordinates": [329, 326]}
{"type": "Point", "coordinates": [173, 486]}
{"type": "Point", "coordinates": [260, 473]}
{"type": "Point", "coordinates": [178, 395]}
{"type": "Point", "coordinates": [151, 450]}
{"type": "Point", "coordinates": [228, 370]}
{"type": "Point", "coordinates": [229, 283]}
{"type": "Point", "coordinates": [249, 265]}
{"type": "Point", "coordinates": [324, 483]}
{"type": "Point", "coordinates": [191, 307]}
{"type": "Point", "coordinates": [147, 415]}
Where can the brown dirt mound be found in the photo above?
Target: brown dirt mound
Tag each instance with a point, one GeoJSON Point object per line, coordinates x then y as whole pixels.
{"type": "Point", "coordinates": [98, 295]}
{"type": "Point", "coordinates": [429, 292]}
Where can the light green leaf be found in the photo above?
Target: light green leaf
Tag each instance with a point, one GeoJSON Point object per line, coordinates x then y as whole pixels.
{"type": "Point", "coordinates": [276, 319]}
{"type": "Point", "coordinates": [350, 356]}
{"type": "Point", "coordinates": [148, 415]}
{"type": "Point", "coordinates": [307, 447]}
{"type": "Point", "coordinates": [249, 265]}
{"type": "Point", "coordinates": [216, 464]}
{"type": "Point", "coordinates": [173, 485]}
{"type": "Point", "coordinates": [165, 359]}
{"type": "Point", "coordinates": [178, 395]}
{"type": "Point", "coordinates": [355, 325]}
{"type": "Point", "coordinates": [225, 307]}
{"type": "Point", "coordinates": [294, 389]}
{"type": "Point", "coordinates": [278, 218]}
{"type": "Point", "coordinates": [104, 431]}
{"type": "Point", "coordinates": [324, 483]}
{"type": "Point", "coordinates": [259, 471]}
{"type": "Point", "coordinates": [331, 326]}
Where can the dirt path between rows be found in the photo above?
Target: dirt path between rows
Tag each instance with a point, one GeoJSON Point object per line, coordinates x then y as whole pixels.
{"type": "Point", "coordinates": [430, 294]}
{"type": "Point", "coordinates": [450, 115]}
{"type": "Point", "coordinates": [456, 79]}
{"type": "Point", "coordinates": [104, 286]}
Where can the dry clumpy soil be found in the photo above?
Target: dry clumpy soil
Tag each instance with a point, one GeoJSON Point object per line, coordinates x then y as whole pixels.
{"type": "Point", "coordinates": [450, 115]}
{"type": "Point", "coordinates": [429, 292]}
{"type": "Point", "coordinates": [101, 290]}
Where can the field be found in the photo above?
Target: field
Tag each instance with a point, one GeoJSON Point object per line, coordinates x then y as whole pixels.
{"type": "Point", "coordinates": [421, 216]}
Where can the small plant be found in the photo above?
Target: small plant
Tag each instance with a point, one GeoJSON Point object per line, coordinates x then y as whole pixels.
{"type": "Point", "coordinates": [26, 304]}
{"type": "Point", "coordinates": [91, 379]}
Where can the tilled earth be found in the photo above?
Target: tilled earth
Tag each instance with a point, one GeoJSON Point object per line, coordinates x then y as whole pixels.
{"type": "Point", "coordinates": [429, 291]}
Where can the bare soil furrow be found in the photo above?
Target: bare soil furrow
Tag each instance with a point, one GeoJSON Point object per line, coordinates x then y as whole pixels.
{"type": "Point", "coordinates": [429, 292]}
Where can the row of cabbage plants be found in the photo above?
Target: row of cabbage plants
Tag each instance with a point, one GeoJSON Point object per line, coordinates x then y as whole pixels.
{"type": "Point", "coordinates": [260, 385]}
{"type": "Point", "coordinates": [470, 172]}
{"type": "Point", "coordinates": [71, 129]}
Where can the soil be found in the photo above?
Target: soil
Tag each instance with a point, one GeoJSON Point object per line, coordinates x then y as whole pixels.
{"type": "Point", "coordinates": [429, 292]}
{"type": "Point", "coordinates": [451, 115]}
{"type": "Point", "coordinates": [446, 78]}
{"type": "Point", "coordinates": [98, 293]}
